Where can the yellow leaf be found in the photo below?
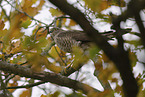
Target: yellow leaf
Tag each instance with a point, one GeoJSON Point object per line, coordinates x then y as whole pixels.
{"type": "Point", "coordinates": [32, 11]}
{"type": "Point", "coordinates": [58, 22]}
{"type": "Point", "coordinates": [103, 5]}
{"type": "Point", "coordinates": [133, 58]}
{"type": "Point", "coordinates": [39, 7]}
{"type": "Point", "coordinates": [3, 33]}
{"type": "Point", "coordinates": [43, 95]}
{"type": "Point", "coordinates": [54, 68]}
{"type": "Point", "coordinates": [36, 60]}
{"type": "Point", "coordinates": [14, 32]}
{"type": "Point", "coordinates": [118, 88]}
{"type": "Point", "coordinates": [55, 94]}
{"type": "Point", "coordinates": [105, 58]}
{"type": "Point", "coordinates": [27, 6]}
{"type": "Point", "coordinates": [64, 21]}
{"type": "Point", "coordinates": [12, 85]}
{"type": "Point", "coordinates": [96, 5]}
{"type": "Point", "coordinates": [106, 93]}
{"type": "Point", "coordinates": [27, 3]}
{"type": "Point", "coordinates": [53, 52]}
{"type": "Point", "coordinates": [93, 4]}
{"type": "Point", "coordinates": [114, 80]}
{"type": "Point", "coordinates": [98, 65]}
{"type": "Point", "coordinates": [72, 23]}
{"type": "Point", "coordinates": [26, 93]}
{"type": "Point", "coordinates": [55, 12]}
{"type": "Point", "coordinates": [39, 33]}
{"type": "Point", "coordinates": [16, 47]}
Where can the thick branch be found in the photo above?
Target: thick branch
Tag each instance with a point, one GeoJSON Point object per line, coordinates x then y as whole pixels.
{"type": "Point", "coordinates": [139, 21]}
{"type": "Point", "coordinates": [46, 77]}
{"type": "Point", "coordinates": [133, 9]}
{"type": "Point", "coordinates": [141, 27]}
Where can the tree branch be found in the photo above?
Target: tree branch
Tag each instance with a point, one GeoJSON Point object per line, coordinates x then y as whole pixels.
{"type": "Point", "coordinates": [3, 91]}
{"type": "Point", "coordinates": [46, 77]}
{"type": "Point", "coordinates": [139, 22]}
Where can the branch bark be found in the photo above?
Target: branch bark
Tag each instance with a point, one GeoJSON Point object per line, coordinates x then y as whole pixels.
{"type": "Point", "coordinates": [46, 77]}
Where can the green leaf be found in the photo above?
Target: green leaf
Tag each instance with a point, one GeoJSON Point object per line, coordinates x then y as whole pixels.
{"type": "Point", "coordinates": [26, 23]}
{"type": "Point", "coordinates": [93, 51]}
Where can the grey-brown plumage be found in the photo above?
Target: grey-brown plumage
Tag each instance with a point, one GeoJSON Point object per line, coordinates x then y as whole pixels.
{"type": "Point", "coordinates": [65, 40]}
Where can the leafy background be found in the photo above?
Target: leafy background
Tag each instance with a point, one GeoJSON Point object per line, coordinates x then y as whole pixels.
{"type": "Point", "coordinates": [24, 36]}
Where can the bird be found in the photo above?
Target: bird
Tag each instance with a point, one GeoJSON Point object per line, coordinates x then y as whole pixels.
{"type": "Point", "coordinates": [67, 39]}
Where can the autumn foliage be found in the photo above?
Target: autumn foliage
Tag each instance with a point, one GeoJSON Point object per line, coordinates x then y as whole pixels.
{"type": "Point", "coordinates": [26, 43]}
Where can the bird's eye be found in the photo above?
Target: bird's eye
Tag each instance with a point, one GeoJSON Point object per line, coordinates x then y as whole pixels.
{"type": "Point", "coordinates": [52, 30]}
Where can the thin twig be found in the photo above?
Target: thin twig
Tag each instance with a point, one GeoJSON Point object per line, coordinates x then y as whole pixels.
{"type": "Point", "coordinates": [26, 14]}
{"type": "Point", "coordinates": [55, 19]}
{"type": "Point", "coordinates": [5, 93]}
{"type": "Point", "coordinates": [9, 77]}
{"type": "Point", "coordinates": [27, 86]}
{"type": "Point", "coordinates": [5, 12]}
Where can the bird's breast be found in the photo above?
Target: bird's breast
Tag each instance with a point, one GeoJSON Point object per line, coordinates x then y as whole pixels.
{"type": "Point", "coordinates": [66, 43]}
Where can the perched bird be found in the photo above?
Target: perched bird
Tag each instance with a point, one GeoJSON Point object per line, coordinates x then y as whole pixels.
{"type": "Point", "coordinates": [65, 40]}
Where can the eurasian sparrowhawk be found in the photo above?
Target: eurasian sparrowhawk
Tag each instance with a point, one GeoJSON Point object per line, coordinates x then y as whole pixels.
{"type": "Point", "coordinates": [65, 40]}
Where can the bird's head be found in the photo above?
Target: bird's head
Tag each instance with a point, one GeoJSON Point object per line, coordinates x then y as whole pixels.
{"type": "Point", "coordinates": [55, 31]}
